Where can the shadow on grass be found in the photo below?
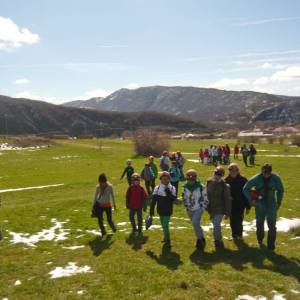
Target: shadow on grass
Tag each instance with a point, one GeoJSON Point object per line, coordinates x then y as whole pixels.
{"type": "Point", "coordinates": [136, 242]}
{"type": "Point", "coordinates": [167, 258]}
{"type": "Point", "coordinates": [99, 244]}
{"type": "Point", "coordinates": [257, 258]}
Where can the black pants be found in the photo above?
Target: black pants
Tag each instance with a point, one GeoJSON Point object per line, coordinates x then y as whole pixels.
{"type": "Point", "coordinates": [139, 213]}
{"type": "Point", "coordinates": [245, 160]}
{"type": "Point", "coordinates": [108, 211]}
{"type": "Point", "coordinates": [236, 223]}
{"type": "Point", "coordinates": [175, 184]}
{"type": "Point", "coordinates": [149, 187]}
{"type": "Point", "coordinates": [260, 232]}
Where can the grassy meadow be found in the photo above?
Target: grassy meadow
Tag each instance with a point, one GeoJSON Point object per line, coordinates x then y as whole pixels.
{"type": "Point", "coordinates": [123, 267]}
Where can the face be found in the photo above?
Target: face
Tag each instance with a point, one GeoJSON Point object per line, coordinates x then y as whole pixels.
{"type": "Point", "coordinates": [136, 182]}
{"type": "Point", "coordinates": [233, 172]}
{"type": "Point", "coordinates": [266, 174]}
{"type": "Point", "coordinates": [191, 179]}
{"type": "Point", "coordinates": [165, 180]}
{"type": "Point", "coordinates": [102, 184]}
{"type": "Point", "coordinates": [218, 176]}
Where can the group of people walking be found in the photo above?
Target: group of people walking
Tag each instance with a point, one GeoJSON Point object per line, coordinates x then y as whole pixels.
{"type": "Point", "coordinates": [215, 154]}
{"type": "Point", "coordinates": [223, 198]}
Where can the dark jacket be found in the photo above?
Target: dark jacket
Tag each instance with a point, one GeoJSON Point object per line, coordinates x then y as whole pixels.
{"type": "Point", "coordinates": [129, 170]}
{"type": "Point", "coordinates": [219, 198]}
{"type": "Point", "coordinates": [164, 197]}
{"type": "Point", "coordinates": [239, 200]}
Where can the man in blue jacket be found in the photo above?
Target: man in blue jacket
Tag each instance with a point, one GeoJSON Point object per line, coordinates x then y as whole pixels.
{"type": "Point", "coordinates": [270, 191]}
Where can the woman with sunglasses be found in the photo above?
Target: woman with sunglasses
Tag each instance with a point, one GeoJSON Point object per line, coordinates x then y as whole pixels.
{"type": "Point", "coordinates": [239, 201]}
{"type": "Point", "coordinates": [195, 201]}
{"type": "Point", "coordinates": [219, 197]}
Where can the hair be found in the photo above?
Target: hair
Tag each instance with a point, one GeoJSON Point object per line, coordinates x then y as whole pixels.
{"type": "Point", "coordinates": [266, 168]}
{"type": "Point", "coordinates": [234, 165]}
{"type": "Point", "coordinates": [164, 174]}
{"type": "Point", "coordinates": [102, 178]}
{"type": "Point", "coordinates": [219, 169]}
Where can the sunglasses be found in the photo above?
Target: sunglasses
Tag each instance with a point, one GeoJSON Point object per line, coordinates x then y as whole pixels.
{"type": "Point", "coordinates": [219, 174]}
{"type": "Point", "coordinates": [191, 177]}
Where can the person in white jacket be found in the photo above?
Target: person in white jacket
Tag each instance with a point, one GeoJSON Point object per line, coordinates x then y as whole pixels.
{"type": "Point", "coordinates": [195, 201]}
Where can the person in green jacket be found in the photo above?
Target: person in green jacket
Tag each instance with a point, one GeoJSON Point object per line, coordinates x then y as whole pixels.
{"type": "Point", "coordinates": [154, 170]}
{"type": "Point", "coordinates": [269, 190]}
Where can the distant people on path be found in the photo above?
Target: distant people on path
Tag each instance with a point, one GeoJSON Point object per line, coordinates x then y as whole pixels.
{"type": "Point", "coordinates": [239, 201]}
{"type": "Point", "coordinates": [164, 196]}
{"type": "Point", "coordinates": [245, 154]}
{"type": "Point", "coordinates": [201, 156]}
{"type": "Point", "coordinates": [175, 175]}
{"type": "Point", "coordinates": [236, 151]}
{"type": "Point", "coordinates": [128, 171]}
{"type": "Point", "coordinates": [154, 170]}
{"type": "Point", "coordinates": [103, 195]}
{"type": "Point", "coordinates": [269, 191]}
{"type": "Point", "coordinates": [148, 176]}
{"type": "Point", "coordinates": [219, 197]}
{"type": "Point", "coordinates": [164, 163]}
{"type": "Point", "coordinates": [252, 153]}
{"type": "Point", "coordinates": [195, 200]}
{"type": "Point", "coordinates": [136, 202]}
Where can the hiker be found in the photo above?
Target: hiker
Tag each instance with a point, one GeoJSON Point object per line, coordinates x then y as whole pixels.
{"type": "Point", "coordinates": [173, 157]}
{"type": "Point", "coordinates": [206, 157]}
{"type": "Point", "coordinates": [195, 200]}
{"type": "Point", "coordinates": [226, 153]}
{"type": "Point", "coordinates": [245, 154]}
{"type": "Point", "coordinates": [164, 161]}
{"type": "Point", "coordinates": [269, 189]}
{"type": "Point", "coordinates": [154, 170]}
{"type": "Point", "coordinates": [252, 153]}
{"type": "Point", "coordinates": [180, 163]}
{"type": "Point", "coordinates": [129, 170]}
{"type": "Point", "coordinates": [219, 197]}
{"type": "Point", "coordinates": [136, 202]}
{"type": "Point", "coordinates": [147, 175]}
{"type": "Point", "coordinates": [239, 201]}
{"type": "Point", "coordinates": [164, 196]}
{"type": "Point", "coordinates": [104, 193]}
{"type": "Point", "coordinates": [201, 156]}
{"type": "Point", "coordinates": [214, 152]}
{"type": "Point", "coordinates": [175, 175]}
{"type": "Point", "coordinates": [236, 151]}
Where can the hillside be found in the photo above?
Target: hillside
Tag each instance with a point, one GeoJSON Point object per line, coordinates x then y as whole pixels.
{"type": "Point", "coordinates": [213, 105]}
{"type": "Point", "coordinates": [22, 116]}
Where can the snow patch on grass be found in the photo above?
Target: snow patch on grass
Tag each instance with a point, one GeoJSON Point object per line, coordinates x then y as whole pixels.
{"type": "Point", "coordinates": [54, 233]}
{"type": "Point", "coordinates": [74, 247]}
{"type": "Point", "coordinates": [70, 270]}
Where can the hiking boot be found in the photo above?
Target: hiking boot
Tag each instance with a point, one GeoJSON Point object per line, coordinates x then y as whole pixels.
{"type": "Point", "coordinates": [271, 247]}
{"type": "Point", "coordinates": [219, 245]}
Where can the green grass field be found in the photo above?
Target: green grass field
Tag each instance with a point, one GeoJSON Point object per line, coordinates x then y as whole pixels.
{"type": "Point", "coordinates": [124, 268]}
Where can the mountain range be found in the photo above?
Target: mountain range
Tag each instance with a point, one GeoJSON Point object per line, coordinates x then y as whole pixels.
{"type": "Point", "coordinates": [23, 116]}
{"type": "Point", "coordinates": [212, 106]}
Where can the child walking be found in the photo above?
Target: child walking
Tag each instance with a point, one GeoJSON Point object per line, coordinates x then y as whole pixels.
{"type": "Point", "coordinates": [129, 170]}
{"type": "Point", "coordinates": [104, 193]}
{"type": "Point", "coordinates": [136, 201]}
{"type": "Point", "coordinates": [164, 196]}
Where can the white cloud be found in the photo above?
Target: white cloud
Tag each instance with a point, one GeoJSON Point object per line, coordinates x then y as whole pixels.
{"type": "Point", "coordinates": [265, 21]}
{"type": "Point", "coordinates": [11, 36]}
{"type": "Point", "coordinates": [132, 86]}
{"type": "Point", "coordinates": [34, 96]}
{"type": "Point", "coordinates": [93, 94]}
{"type": "Point", "coordinates": [261, 81]}
{"type": "Point", "coordinates": [22, 81]}
{"type": "Point", "coordinates": [228, 83]}
{"type": "Point", "coordinates": [112, 46]}
{"type": "Point", "coordinates": [289, 74]}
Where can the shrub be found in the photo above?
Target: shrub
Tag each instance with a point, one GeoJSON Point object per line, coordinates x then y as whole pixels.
{"type": "Point", "coordinates": [296, 140]}
{"type": "Point", "coordinates": [149, 142]}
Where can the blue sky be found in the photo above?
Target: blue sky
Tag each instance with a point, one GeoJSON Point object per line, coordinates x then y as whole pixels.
{"type": "Point", "coordinates": [63, 50]}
